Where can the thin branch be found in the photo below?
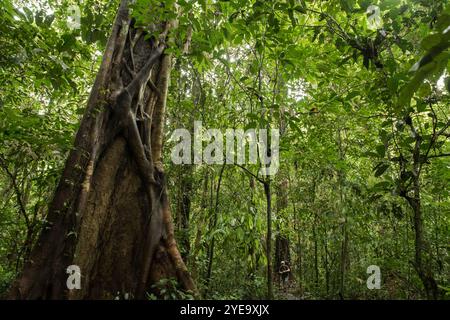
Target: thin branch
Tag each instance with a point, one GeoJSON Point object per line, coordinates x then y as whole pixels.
{"type": "Point", "coordinates": [439, 155]}
{"type": "Point", "coordinates": [17, 190]}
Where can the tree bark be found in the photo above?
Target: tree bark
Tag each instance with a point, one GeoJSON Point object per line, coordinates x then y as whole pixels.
{"type": "Point", "coordinates": [316, 254]}
{"type": "Point", "coordinates": [197, 246]}
{"type": "Point", "coordinates": [184, 210]}
{"type": "Point", "coordinates": [299, 251]}
{"type": "Point", "coordinates": [423, 268]}
{"type": "Point", "coordinates": [110, 214]}
{"type": "Point", "coordinates": [344, 245]}
{"type": "Point", "coordinates": [213, 229]}
{"type": "Point", "coordinates": [422, 259]}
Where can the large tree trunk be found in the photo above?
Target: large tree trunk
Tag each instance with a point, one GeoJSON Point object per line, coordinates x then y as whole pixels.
{"type": "Point", "coordinates": [110, 214]}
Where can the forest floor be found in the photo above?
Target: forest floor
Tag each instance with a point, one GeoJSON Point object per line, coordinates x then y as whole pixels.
{"type": "Point", "coordinates": [290, 292]}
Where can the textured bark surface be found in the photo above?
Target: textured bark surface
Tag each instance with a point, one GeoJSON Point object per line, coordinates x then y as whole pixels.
{"type": "Point", "coordinates": [422, 257]}
{"type": "Point", "coordinates": [110, 214]}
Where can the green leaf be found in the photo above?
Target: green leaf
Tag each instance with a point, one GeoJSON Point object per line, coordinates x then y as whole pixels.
{"type": "Point", "coordinates": [431, 41]}
{"type": "Point", "coordinates": [300, 9]}
{"type": "Point", "coordinates": [381, 150]}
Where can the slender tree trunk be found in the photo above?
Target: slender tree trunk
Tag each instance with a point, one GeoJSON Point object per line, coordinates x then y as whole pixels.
{"type": "Point", "coordinates": [213, 228]}
{"type": "Point", "coordinates": [282, 245]}
{"type": "Point", "coordinates": [110, 214]}
{"type": "Point", "coordinates": [253, 266]}
{"type": "Point", "coordinates": [343, 262]}
{"type": "Point", "coordinates": [199, 225]}
{"type": "Point", "coordinates": [184, 210]}
{"type": "Point", "coordinates": [422, 257]}
{"type": "Point", "coordinates": [316, 255]}
{"type": "Point", "coordinates": [344, 244]}
{"type": "Point", "coordinates": [299, 249]}
{"type": "Point", "coordinates": [326, 264]}
{"type": "Point", "coordinates": [314, 233]}
{"type": "Point", "coordinates": [269, 240]}
{"type": "Point", "coordinates": [422, 263]}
